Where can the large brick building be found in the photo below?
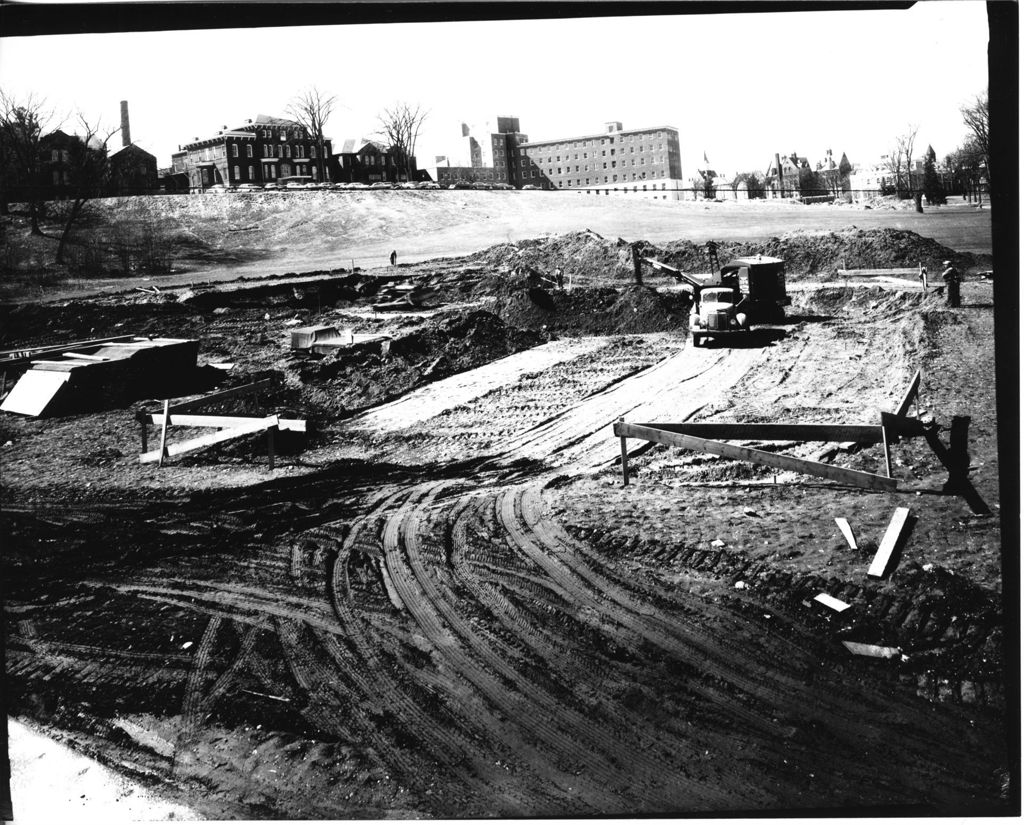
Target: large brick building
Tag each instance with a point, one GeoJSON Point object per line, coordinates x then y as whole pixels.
{"type": "Point", "coordinates": [612, 158]}
{"type": "Point", "coordinates": [264, 150]}
{"type": "Point", "coordinates": [622, 159]}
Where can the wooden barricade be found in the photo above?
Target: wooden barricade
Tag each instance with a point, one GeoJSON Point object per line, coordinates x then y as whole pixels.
{"type": "Point", "coordinates": [228, 427]}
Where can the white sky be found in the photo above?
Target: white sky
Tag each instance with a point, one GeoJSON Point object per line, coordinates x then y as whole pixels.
{"type": "Point", "coordinates": [740, 87]}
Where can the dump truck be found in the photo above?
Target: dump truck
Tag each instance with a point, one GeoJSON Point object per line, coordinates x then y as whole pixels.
{"type": "Point", "coordinates": [744, 292]}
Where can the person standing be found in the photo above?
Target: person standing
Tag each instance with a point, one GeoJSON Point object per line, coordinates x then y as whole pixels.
{"type": "Point", "coordinates": [394, 257]}
{"type": "Point", "coordinates": [951, 275]}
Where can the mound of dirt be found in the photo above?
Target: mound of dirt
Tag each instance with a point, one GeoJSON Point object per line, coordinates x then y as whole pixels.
{"type": "Point", "coordinates": [585, 258]}
{"type": "Point", "coordinates": [824, 253]}
{"type": "Point", "coordinates": [355, 378]}
{"type": "Point", "coordinates": [593, 311]}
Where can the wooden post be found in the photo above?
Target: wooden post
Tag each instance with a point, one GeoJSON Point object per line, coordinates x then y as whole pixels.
{"type": "Point", "coordinates": [163, 432]}
{"type": "Point", "coordinates": [144, 432]}
{"type": "Point", "coordinates": [270, 448]}
{"type": "Point", "coordinates": [625, 462]}
{"type": "Point", "coordinates": [885, 448]}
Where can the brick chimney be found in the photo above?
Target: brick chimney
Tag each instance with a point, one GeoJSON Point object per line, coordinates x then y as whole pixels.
{"type": "Point", "coordinates": [126, 132]}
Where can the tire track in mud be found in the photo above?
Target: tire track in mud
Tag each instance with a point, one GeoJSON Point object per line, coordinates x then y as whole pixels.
{"type": "Point", "coordinates": [454, 741]}
{"type": "Point", "coordinates": [607, 602]}
{"type": "Point", "coordinates": [565, 656]}
{"type": "Point", "coordinates": [424, 610]}
{"type": "Point", "coordinates": [674, 389]}
{"type": "Point", "coordinates": [547, 717]}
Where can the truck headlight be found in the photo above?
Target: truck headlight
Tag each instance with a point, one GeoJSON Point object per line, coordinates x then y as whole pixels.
{"type": "Point", "coordinates": [741, 319]}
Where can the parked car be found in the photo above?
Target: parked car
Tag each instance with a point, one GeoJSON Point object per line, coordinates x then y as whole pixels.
{"type": "Point", "coordinates": [249, 187]}
{"type": "Point", "coordinates": [380, 185]}
{"type": "Point", "coordinates": [218, 189]}
{"type": "Point", "coordinates": [530, 186]}
{"type": "Point", "coordinates": [267, 186]}
{"type": "Point", "coordinates": [294, 185]}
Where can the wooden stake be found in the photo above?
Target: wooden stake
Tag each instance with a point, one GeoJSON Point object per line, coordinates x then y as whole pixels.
{"type": "Point", "coordinates": [885, 447]}
{"type": "Point", "coordinates": [163, 433]}
{"type": "Point", "coordinates": [144, 432]}
{"type": "Point", "coordinates": [270, 448]}
{"type": "Point", "coordinates": [625, 463]}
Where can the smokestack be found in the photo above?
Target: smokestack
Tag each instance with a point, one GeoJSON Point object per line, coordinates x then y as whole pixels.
{"type": "Point", "coordinates": [126, 132]}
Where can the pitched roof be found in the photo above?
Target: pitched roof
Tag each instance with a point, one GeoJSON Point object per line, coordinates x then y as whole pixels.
{"type": "Point", "coordinates": [135, 150]}
{"type": "Point", "coordinates": [275, 121]}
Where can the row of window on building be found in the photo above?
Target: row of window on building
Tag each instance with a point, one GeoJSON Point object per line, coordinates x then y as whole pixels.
{"type": "Point", "coordinates": [611, 139]}
{"type": "Point", "coordinates": [267, 150]}
{"type": "Point", "coordinates": [614, 179]}
{"type": "Point", "coordinates": [586, 167]}
{"type": "Point", "coordinates": [576, 156]}
{"type": "Point", "coordinates": [269, 172]}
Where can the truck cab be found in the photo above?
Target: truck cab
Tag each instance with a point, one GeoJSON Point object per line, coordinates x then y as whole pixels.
{"type": "Point", "coordinates": [718, 312]}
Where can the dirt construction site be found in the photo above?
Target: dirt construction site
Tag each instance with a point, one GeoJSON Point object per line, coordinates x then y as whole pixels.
{"type": "Point", "coordinates": [438, 597]}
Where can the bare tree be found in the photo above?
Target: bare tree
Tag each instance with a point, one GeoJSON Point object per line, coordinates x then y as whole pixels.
{"type": "Point", "coordinates": [89, 174]}
{"type": "Point", "coordinates": [23, 125]}
{"type": "Point", "coordinates": [975, 117]}
{"type": "Point", "coordinates": [901, 161]}
{"type": "Point", "coordinates": [400, 128]}
{"type": "Point", "coordinates": [311, 109]}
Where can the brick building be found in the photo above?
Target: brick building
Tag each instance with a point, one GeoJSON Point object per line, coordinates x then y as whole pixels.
{"type": "Point", "coordinates": [367, 161]}
{"type": "Point", "coordinates": [613, 158]}
{"type": "Point", "coordinates": [633, 159]}
{"type": "Point", "coordinates": [264, 150]}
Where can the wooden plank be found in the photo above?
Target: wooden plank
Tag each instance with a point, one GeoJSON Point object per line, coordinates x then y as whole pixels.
{"type": "Point", "coordinates": [910, 394]}
{"type": "Point", "coordinates": [625, 464]}
{"type": "Point", "coordinates": [889, 542]}
{"type": "Point", "coordinates": [847, 531]}
{"type": "Point", "coordinates": [163, 434]}
{"type": "Point", "coordinates": [12, 356]}
{"type": "Point", "coordinates": [867, 273]}
{"type": "Point", "coordinates": [838, 605]}
{"type": "Point", "coordinates": [885, 449]}
{"type": "Point", "coordinates": [724, 431]}
{"type": "Point", "coordinates": [220, 395]}
{"type": "Point", "coordinates": [782, 462]}
{"type": "Point", "coordinates": [877, 651]}
{"type": "Point", "coordinates": [296, 425]}
{"type": "Point", "coordinates": [192, 444]}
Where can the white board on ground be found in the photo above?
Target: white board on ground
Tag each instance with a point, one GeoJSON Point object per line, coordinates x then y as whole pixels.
{"type": "Point", "coordinates": [837, 605]}
{"type": "Point", "coordinates": [889, 542]}
{"type": "Point", "coordinates": [34, 392]}
{"type": "Point", "coordinates": [847, 531]}
{"type": "Point", "coordinates": [876, 651]}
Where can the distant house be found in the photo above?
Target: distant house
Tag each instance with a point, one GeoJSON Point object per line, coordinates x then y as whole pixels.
{"type": "Point", "coordinates": [132, 171]}
{"type": "Point", "coordinates": [265, 150]}
{"type": "Point", "coordinates": [367, 161]}
{"type": "Point", "coordinates": [789, 176]}
{"type": "Point", "coordinates": [833, 177]}
{"type": "Point", "coordinates": [57, 157]}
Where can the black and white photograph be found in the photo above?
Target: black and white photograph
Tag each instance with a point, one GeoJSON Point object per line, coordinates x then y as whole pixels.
{"type": "Point", "coordinates": [491, 411]}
